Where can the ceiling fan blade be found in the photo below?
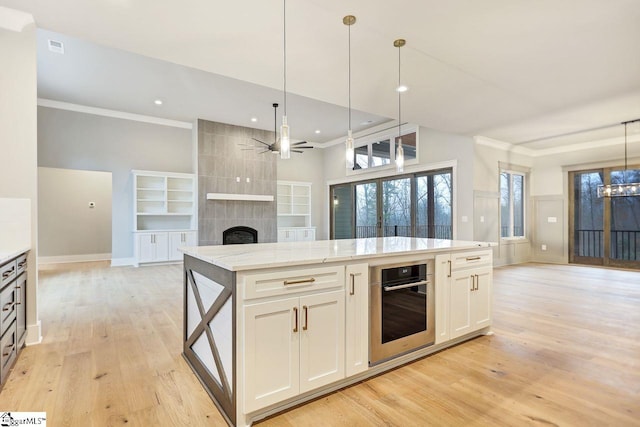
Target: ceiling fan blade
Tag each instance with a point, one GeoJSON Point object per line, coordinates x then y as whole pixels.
{"type": "Point", "coordinates": [298, 148]}
{"type": "Point", "coordinates": [264, 151]}
{"type": "Point", "coordinates": [261, 142]}
{"type": "Point", "coordinates": [297, 151]}
{"type": "Point", "coordinates": [300, 143]}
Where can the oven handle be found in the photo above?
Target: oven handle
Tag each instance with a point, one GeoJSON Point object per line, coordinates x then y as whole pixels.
{"type": "Point", "coordinates": [408, 285]}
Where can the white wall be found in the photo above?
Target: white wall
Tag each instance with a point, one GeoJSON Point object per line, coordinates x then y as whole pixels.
{"type": "Point", "coordinates": [69, 229]}
{"type": "Point", "coordinates": [18, 175]}
{"type": "Point", "coordinates": [73, 140]}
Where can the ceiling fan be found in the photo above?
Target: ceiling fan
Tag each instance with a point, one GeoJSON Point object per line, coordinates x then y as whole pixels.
{"type": "Point", "coordinates": [275, 147]}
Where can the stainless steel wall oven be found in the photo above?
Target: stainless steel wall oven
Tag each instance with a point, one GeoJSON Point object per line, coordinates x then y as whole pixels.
{"type": "Point", "coordinates": [402, 309]}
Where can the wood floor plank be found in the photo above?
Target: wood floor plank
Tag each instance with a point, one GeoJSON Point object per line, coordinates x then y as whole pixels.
{"type": "Point", "coordinates": [566, 352]}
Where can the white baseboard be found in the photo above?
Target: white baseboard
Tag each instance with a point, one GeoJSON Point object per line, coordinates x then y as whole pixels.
{"type": "Point", "coordinates": [73, 258]}
{"type": "Point", "coordinates": [34, 334]}
{"type": "Point", "coordinates": [121, 262]}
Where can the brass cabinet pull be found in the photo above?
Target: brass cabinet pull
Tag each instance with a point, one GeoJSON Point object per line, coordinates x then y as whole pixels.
{"type": "Point", "coordinates": [473, 282]}
{"type": "Point", "coordinates": [295, 311]}
{"type": "Point", "coordinates": [297, 282]}
{"type": "Point", "coordinates": [8, 272]}
{"type": "Point", "coordinates": [22, 264]}
{"type": "Point", "coordinates": [352, 291]}
{"type": "Point", "coordinates": [449, 268]}
{"type": "Point", "coordinates": [473, 258]}
{"type": "Point", "coordinates": [8, 306]}
{"type": "Point", "coordinates": [477, 280]}
{"type": "Point", "coordinates": [10, 351]}
{"type": "Point", "coordinates": [306, 318]}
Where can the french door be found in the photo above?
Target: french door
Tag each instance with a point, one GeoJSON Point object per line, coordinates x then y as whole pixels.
{"type": "Point", "coordinates": [603, 231]}
{"type": "Point", "coordinates": [416, 205]}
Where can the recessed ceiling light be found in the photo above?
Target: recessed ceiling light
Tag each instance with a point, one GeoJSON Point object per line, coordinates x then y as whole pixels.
{"type": "Point", "coordinates": [56, 46]}
{"type": "Point", "coordinates": [317, 130]}
{"type": "Point", "coordinates": [254, 119]}
{"type": "Point", "coordinates": [158, 102]}
{"type": "Point", "coordinates": [402, 88]}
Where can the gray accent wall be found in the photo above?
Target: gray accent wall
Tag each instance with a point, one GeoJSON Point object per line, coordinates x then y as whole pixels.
{"type": "Point", "coordinates": [69, 227]}
{"type": "Point", "coordinates": [73, 140]}
{"type": "Point", "coordinates": [228, 163]}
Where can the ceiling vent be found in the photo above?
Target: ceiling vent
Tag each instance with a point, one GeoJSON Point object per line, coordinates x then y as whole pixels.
{"type": "Point", "coordinates": [56, 46]}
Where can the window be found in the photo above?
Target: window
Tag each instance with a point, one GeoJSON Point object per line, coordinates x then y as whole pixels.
{"type": "Point", "coordinates": [512, 196]}
{"type": "Point", "coordinates": [414, 205]}
{"type": "Point", "coordinates": [379, 149]}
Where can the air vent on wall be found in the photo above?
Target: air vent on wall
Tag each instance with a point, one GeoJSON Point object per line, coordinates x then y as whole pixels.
{"type": "Point", "coordinates": [56, 46]}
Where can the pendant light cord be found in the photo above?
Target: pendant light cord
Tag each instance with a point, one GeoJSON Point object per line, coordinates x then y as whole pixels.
{"type": "Point", "coordinates": [349, 76]}
{"type": "Point", "coordinates": [399, 95]}
{"type": "Point", "coordinates": [284, 42]}
{"type": "Point", "coordinates": [625, 148]}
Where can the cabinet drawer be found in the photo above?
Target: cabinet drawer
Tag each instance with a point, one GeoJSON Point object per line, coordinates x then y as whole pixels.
{"type": "Point", "coordinates": [8, 272]}
{"type": "Point", "coordinates": [21, 263]}
{"type": "Point", "coordinates": [8, 351]}
{"type": "Point", "coordinates": [471, 259]}
{"type": "Point", "coordinates": [291, 281]}
{"type": "Point", "coordinates": [7, 307]}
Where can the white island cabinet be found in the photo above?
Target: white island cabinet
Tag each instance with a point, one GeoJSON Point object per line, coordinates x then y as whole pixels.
{"type": "Point", "coordinates": [272, 325]}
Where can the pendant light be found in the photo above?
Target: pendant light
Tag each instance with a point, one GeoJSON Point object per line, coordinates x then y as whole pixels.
{"type": "Point", "coordinates": [399, 151]}
{"type": "Point", "coordinates": [285, 142]}
{"type": "Point", "coordinates": [624, 189]}
{"type": "Point", "coordinates": [349, 20]}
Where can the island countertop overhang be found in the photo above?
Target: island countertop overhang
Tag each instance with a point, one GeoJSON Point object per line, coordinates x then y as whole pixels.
{"type": "Point", "coordinates": [283, 254]}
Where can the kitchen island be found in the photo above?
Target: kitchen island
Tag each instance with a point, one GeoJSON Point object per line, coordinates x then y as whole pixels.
{"type": "Point", "coordinates": [268, 326]}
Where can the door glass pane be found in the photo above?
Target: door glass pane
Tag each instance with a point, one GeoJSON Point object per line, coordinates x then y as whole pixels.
{"type": "Point", "coordinates": [342, 212]}
{"type": "Point", "coordinates": [443, 192]}
{"type": "Point", "coordinates": [625, 219]}
{"type": "Point", "coordinates": [366, 210]}
{"type": "Point", "coordinates": [422, 206]}
{"type": "Point", "coordinates": [396, 207]}
{"type": "Point", "coordinates": [588, 216]}
{"type": "Point", "coordinates": [380, 153]}
{"type": "Point", "coordinates": [505, 204]}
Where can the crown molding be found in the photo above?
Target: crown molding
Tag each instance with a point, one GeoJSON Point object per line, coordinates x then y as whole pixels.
{"type": "Point", "coordinates": [43, 102]}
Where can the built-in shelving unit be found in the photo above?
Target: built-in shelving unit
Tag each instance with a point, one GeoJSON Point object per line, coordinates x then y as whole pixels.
{"type": "Point", "coordinates": [294, 211]}
{"type": "Point", "coordinates": [164, 215]}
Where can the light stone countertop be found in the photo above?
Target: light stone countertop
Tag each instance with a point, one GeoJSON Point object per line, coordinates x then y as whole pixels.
{"type": "Point", "coordinates": [270, 255]}
{"type": "Point", "coordinates": [6, 255]}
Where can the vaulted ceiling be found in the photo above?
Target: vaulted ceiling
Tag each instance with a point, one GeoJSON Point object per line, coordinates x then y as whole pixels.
{"type": "Point", "coordinates": [537, 74]}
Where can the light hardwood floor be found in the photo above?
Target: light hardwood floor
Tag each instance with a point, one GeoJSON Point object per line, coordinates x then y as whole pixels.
{"type": "Point", "coordinates": [566, 352]}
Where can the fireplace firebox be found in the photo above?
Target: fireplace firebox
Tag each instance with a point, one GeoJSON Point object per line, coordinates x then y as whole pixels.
{"type": "Point", "coordinates": [239, 235]}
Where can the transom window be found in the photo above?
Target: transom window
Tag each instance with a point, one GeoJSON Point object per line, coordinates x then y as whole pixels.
{"type": "Point", "coordinates": [379, 150]}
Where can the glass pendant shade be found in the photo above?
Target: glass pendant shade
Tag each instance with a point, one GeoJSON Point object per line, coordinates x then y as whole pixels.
{"type": "Point", "coordinates": [349, 150]}
{"type": "Point", "coordinates": [285, 142]}
{"type": "Point", "coordinates": [400, 157]}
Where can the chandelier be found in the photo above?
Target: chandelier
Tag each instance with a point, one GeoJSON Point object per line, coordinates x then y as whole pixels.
{"type": "Point", "coordinates": [625, 188]}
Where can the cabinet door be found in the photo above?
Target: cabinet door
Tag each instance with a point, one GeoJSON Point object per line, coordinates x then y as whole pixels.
{"type": "Point", "coordinates": [161, 243]}
{"type": "Point", "coordinates": [481, 298]}
{"type": "Point", "coordinates": [176, 240]}
{"type": "Point", "coordinates": [272, 353]}
{"type": "Point", "coordinates": [21, 314]}
{"type": "Point", "coordinates": [460, 308]}
{"type": "Point", "coordinates": [442, 291]}
{"type": "Point", "coordinates": [146, 248]}
{"type": "Point", "coordinates": [306, 234]}
{"type": "Point", "coordinates": [357, 319]}
{"type": "Point", "coordinates": [321, 339]}
{"type": "Point", "coordinates": [286, 235]}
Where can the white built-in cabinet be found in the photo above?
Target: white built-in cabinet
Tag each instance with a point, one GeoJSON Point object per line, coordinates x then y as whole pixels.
{"type": "Point", "coordinates": [463, 293]}
{"type": "Point", "coordinates": [164, 205]}
{"type": "Point", "coordinates": [294, 342]}
{"type": "Point", "coordinates": [294, 211]}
